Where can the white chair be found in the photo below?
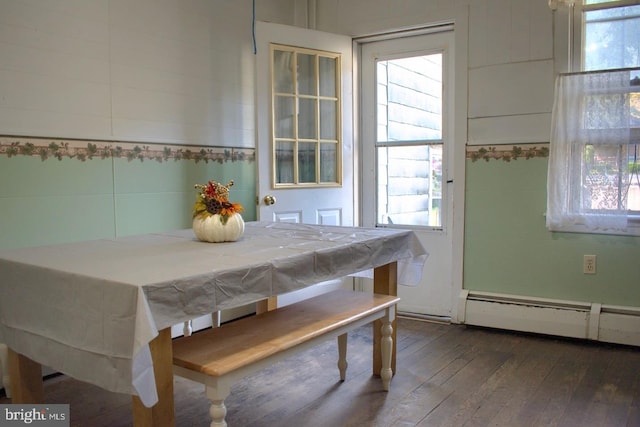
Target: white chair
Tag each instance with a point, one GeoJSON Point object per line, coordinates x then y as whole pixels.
{"type": "Point", "coordinates": [187, 329]}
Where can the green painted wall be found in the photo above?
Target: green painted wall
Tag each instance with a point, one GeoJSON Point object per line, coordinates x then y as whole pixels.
{"type": "Point", "coordinates": [509, 250]}
{"type": "Point", "coordinates": [53, 201]}
{"type": "Point", "coordinates": [507, 247]}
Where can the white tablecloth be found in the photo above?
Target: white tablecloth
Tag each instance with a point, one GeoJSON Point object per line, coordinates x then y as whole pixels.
{"type": "Point", "coordinates": [90, 309]}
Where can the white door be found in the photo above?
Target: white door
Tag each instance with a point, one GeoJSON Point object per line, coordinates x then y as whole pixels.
{"type": "Point", "coordinates": [309, 178]}
{"type": "Point", "coordinates": [316, 204]}
{"type": "Point", "coordinates": [407, 162]}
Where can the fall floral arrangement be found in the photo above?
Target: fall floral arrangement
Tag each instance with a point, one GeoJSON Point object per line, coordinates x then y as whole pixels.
{"type": "Point", "coordinates": [213, 199]}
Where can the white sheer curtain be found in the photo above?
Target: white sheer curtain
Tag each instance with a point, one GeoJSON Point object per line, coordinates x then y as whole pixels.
{"type": "Point", "coordinates": [588, 160]}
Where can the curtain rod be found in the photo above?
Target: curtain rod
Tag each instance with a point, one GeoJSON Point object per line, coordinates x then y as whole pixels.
{"type": "Point", "coordinates": [613, 70]}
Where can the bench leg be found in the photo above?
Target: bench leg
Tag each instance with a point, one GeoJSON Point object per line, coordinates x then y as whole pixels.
{"type": "Point", "coordinates": [218, 411]}
{"type": "Point", "coordinates": [187, 328]}
{"type": "Point", "coordinates": [386, 349]}
{"type": "Point", "coordinates": [342, 356]}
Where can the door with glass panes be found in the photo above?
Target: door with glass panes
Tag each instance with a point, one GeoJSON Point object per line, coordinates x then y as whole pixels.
{"type": "Point", "coordinates": [305, 138]}
{"type": "Point", "coordinates": [305, 147]}
{"type": "Point", "coordinates": [407, 163]}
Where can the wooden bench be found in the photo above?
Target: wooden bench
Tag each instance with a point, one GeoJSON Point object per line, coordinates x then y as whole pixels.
{"type": "Point", "coordinates": [218, 357]}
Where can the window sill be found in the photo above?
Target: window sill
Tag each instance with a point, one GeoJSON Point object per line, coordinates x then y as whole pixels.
{"type": "Point", "coordinates": [632, 230]}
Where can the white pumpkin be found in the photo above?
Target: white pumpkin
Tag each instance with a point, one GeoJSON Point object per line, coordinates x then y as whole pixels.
{"type": "Point", "coordinates": [211, 228]}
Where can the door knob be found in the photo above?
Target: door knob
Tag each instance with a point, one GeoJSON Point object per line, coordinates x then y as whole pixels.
{"type": "Point", "coordinates": [269, 200]}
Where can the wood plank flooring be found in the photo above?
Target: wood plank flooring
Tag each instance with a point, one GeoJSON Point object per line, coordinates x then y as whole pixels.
{"type": "Point", "coordinates": [448, 375]}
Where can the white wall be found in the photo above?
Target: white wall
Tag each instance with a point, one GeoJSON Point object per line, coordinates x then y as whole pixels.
{"type": "Point", "coordinates": [172, 71]}
{"type": "Point", "coordinates": [511, 71]}
{"type": "Point", "coordinates": [511, 58]}
{"type": "Point", "coordinates": [182, 71]}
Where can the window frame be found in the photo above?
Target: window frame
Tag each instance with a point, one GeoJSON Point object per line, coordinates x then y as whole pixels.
{"type": "Point", "coordinates": [381, 218]}
{"type": "Point", "coordinates": [575, 63]}
{"type": "Point", "coordinates": [296, 139]}
{"type": "Point", "coordinates": [576, 27]}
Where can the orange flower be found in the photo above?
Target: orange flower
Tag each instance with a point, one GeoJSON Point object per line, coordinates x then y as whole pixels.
{"type": "Point", "coordinates": [213, 199]}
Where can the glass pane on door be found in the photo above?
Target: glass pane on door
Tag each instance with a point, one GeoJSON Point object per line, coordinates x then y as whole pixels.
{"type": "Point", "coordinates": [410, 185]}
{"type": "Point", "coordinates": [306, 162]}
{"type": "Point", "coordinates": [306, 100]}
{"type": "Point", "coordinates": [283, 71]}
{"type": "Point", "coordinates": [283, 116]}
{"type": "Point", "coordinates": [284, 161]}
{"type": "Point", "coordinates": [328, 81]}
{"type": "Point", "coordinates": [328, 119]}
{"type": "Point", "coordinates": [307, 81]}
{"type": "Point", "coordinates": [307, 118]}
{"type": "Point", "coordinates": [409, 145]}
{"type": "Point", "coordinates": [409, 100]}
{"type": "Point", "coordinates": [328, 162]}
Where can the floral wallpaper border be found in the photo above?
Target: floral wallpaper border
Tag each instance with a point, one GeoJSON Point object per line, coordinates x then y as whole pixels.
{"type": "Point", "coordinates": [507, 152]}
{"type": "Point", "coordinates": [87, 149]}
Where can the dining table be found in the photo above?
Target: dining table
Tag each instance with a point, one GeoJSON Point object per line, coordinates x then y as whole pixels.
{"type": "Point", "coordinates": [101, 311]}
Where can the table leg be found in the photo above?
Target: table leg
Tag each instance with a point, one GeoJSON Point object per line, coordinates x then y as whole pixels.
{"type": "Point", "coordinates": [385, 281]}
{"type": "Point", "coordinates": [162, 413]}
{"type": "Point", "coordinates": [26, 379]}
{"type": "Point", "coordinates": [267, 304]}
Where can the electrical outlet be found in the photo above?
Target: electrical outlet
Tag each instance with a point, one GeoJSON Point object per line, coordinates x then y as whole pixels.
{"type": "Point", "coordinates": [589, 265]}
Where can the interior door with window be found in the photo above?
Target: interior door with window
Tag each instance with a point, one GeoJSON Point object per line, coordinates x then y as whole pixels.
{"type": "Point", "coordinates": [407, 162]}
{"type": "Point", "coordinates": [305, 147]}
{"type": "Point", "coordinates": [304, 128]}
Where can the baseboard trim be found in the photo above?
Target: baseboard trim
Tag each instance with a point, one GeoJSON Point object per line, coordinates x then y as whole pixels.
{"type": "Point", "coordinates": [592, 321]}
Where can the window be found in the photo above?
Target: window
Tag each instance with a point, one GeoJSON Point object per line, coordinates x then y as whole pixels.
{"type": "Point", "coordinates": [409, 142]}
{"type": "Point", "coordinates": [306, 117]}
{"type": "Point", "coordinates": [594, 163]}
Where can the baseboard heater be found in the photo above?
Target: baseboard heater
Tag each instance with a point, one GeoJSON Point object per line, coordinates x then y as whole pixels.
{"type": "Point", "coordinates": [592, 321]}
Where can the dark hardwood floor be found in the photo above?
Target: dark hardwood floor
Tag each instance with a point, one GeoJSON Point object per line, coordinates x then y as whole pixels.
{"type": "Point", "coordinates": [448, 375]}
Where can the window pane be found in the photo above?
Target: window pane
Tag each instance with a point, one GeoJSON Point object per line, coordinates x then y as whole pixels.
{"type": "Point", "coordinates": [634, 100]}
{"type": "Point", "coordinates": [284, 162]}
{"type": "Point", "coordinates": [327, 76]}
{"type": "Point", "coordinates": [306, 162]}
{"type": "Point", "coordinates": [306, 74]}
{"type": "Point", "coordinates": [307, 119]}
{"type": "Point", "coordinates": [612, 38]}
{"type": "Point", "coordinates": [610, 177]}
{"type": "Point", "coordinates": [409, 98]}
{"type": "Point", "coordinates": [410, 185]}
{"type": "Point", "coordinates": [607, 111]}
{"type": "Point", "coordinates": [328, 163]}
{"type": "Point", "coordinates": [283, 116]}
{"type": "Point", "coordinates": [633, 169]}
{"type": "Point", "coordinates": [328, 119]}
{"type": "Point", "coordinates": [306, 125]}
{"type": "Point", "coordinates": [282, 71]}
